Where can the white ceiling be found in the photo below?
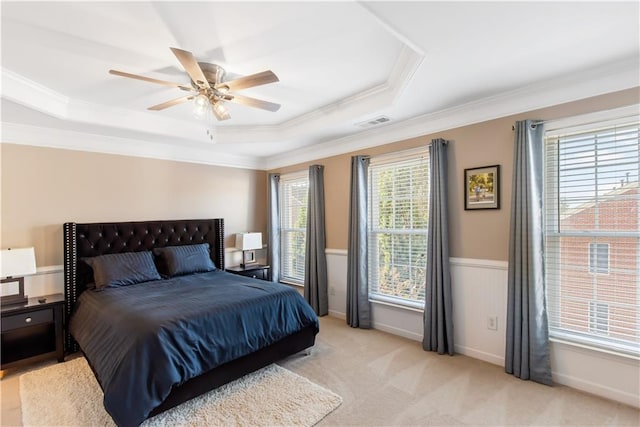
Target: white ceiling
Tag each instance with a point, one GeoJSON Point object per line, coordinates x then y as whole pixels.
{"type": "Point", "coordinates": [427, 66]}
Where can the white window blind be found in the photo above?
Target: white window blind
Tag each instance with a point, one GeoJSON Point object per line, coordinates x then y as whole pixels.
{"type": "Point", "coordinates": [592, 238]}
{"type": "Point", "coordinates": [294, 189]}
{"type": "Point", "coordinates": [397, 227]}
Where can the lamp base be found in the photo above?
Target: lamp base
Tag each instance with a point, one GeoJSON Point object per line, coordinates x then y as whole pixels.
{"type": "Point", "coordinates": [248, 258]}
{"type": "Point", "coordinates": [17, 297]}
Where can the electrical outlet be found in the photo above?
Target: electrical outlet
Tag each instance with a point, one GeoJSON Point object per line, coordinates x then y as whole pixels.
{"type": "Point", "coordinates": [332, 290]}
{"type": "Point", "coordinates": [492, 323]}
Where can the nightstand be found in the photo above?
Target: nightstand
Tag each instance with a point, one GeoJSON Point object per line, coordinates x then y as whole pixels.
{"type": "Point", "coordinates": [256, 271]}
{"type": "Point", "coordinates": [32, 331]}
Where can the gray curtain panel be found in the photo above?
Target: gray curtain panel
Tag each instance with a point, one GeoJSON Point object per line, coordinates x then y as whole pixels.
{"type": "Point", "coordinates": [273, 225]}
{"type": "Point", "coordinates": [527, 349]}
{"type": "Point", "coordinates": [315, 261]}
{"type": "Point", "coordinates": [438, 312]}
{"type": "Point", "coordinates": [358, 305]}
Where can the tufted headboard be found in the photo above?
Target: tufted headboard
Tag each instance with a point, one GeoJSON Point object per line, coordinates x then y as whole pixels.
{"type": "Point", "coordinates": [88, 240]}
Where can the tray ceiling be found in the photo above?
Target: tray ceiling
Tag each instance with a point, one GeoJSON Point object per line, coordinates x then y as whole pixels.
{"type": "Point", "coordinates": [424, 65]}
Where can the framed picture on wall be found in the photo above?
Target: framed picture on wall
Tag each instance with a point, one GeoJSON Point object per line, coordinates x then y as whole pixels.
{"type": "Point", "coordinates": [482, 188]}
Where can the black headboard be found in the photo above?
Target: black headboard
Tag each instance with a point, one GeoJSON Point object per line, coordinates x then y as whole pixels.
{"type": "Point", "coordinates": [88, 240]}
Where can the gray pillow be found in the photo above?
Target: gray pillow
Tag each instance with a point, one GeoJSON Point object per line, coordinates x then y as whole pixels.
{"type": "Point", "coordinates": [123, 269]}
{"type": "Point", "coordinates": [186, 259]}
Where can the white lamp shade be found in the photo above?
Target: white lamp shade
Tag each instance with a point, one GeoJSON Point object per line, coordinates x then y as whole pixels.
{"type": "Point", "coordinates": [17, 262]}
{"type": "Point", "coordinates": [248, 241]}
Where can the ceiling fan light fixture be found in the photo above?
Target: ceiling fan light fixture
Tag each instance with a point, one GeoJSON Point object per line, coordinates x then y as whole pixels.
{"type": "Point", "coordinates": [201, 100]}
{"type": "Point", "coordinates": [220, 111]}
{"type": "Point", "coordinates": [201, 105]}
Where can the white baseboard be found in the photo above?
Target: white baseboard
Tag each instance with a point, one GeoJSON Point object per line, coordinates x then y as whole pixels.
{"type": "Point", "coordinates": [597, 389]}
{"type": "Point", "coordinates": [338, 314]}
{"type": "Point", "coordinates": [397, 331]}
{"type": "Point", "coordinates": [481, 355]}
{"type": "Point", "coordinates": [382, 327]}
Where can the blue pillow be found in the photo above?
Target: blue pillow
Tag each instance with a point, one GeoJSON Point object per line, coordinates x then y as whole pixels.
{"type": "Point", "coordinates": [122, 269]}
{"type": "Point", "coordinates": [185, 259]}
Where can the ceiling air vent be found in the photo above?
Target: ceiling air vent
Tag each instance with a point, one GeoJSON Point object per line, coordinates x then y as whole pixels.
{"type": "Point", "coordinates": [373, 122]}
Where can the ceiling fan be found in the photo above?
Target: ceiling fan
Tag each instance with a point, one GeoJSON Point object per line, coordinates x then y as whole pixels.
{"type": "Point", "coordinates": [208, 87]}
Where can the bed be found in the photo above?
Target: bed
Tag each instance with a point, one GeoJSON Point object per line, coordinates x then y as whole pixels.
{"type": "Point", "coordinates": [175, 324]}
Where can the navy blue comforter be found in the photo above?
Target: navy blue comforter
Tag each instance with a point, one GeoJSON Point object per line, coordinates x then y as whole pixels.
{"type": "Point", "coordinates": [143, 339]}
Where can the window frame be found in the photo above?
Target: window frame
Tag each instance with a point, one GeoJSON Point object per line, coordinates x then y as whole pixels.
{"type": "Point", "coordinates": [594, 337]}
{"type": "Point", "coordinates": [420, 154]}
{"type": "Point", "coordinates": [285, 229]}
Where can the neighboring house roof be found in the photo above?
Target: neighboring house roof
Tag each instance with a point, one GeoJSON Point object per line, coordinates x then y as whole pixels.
{"type": "Point", "coordinates": [627, 188]}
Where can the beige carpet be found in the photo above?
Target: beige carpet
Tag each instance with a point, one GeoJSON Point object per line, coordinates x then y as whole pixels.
{"type": "Point", "coordinates": [67, 394]}
{"type": "Point", "coordinates": [386, 380]}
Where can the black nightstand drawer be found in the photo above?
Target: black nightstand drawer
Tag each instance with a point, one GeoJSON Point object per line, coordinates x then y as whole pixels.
{"type": "Point", "coordinates": [27, 319]}
{"type": "Point", "coordinates": [257, 274]}
{"type": "Point", "coordinates": [256, 271]}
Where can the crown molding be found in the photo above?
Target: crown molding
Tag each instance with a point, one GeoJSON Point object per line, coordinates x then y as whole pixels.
{"type": "Point", "coordinates": [408, 62]}
{"type": "Point", "coordinates": [593, 82]}
{"type": "Point", "coordinates": [27, 92]}
{"type": "Point", "coordinates": [390, 28]}
{"type": "Point", "coordinates": [80, 141]}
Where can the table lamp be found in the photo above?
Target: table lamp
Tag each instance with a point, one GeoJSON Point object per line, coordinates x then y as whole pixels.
{"type": "Point", "coordinates": [247, 243]}
{"type": "Point", "coordinates": [14, 264]}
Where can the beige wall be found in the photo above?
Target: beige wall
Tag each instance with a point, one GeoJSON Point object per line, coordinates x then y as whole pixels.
{"type": "Point", "coordinates": [42, 188]}
{"type": "Point", "coordinates": [482, 234]}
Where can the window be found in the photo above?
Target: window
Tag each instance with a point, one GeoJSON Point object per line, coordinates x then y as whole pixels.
{"type": "Point", "coordinates": [294, 189]}
{"type": "Point", "coordinates": [592, 238]}
{"type": "Point", "coordinates": [397, 227]}
{"type": "Point", "coordinates": [598, 258]}
{"type": "Point", "coordinates": [598, 317]}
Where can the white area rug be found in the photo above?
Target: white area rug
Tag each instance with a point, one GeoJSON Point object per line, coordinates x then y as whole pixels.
{"type": "Point", "coordinates": [67, 394]}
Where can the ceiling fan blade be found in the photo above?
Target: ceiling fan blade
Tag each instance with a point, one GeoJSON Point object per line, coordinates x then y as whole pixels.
{"type": "Point", "coordinates": [171, 103]}
{"type": "Point", "coordinates": [149, 79]}
{"type": "Point", "coordinates": [252, 80]}
{"type": "Point", "coordinates": [253, 102]}
{"type": "Point", "coordinates": [191, 66]}
{"type": "Point", "coordinates": [220, 111]}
